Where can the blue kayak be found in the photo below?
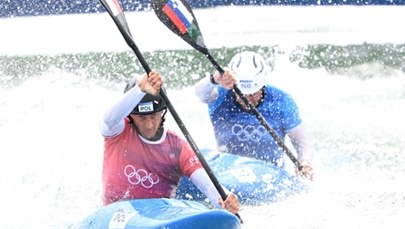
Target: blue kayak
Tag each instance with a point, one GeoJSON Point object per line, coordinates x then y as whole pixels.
{"type": "Point", "coordinates": [159, 213]}
{"type": "Point", "coordinates": [254, 181]}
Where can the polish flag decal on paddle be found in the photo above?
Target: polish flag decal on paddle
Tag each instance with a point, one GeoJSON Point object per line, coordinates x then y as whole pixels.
{"type": "Point", "coordinates": [114, 6]}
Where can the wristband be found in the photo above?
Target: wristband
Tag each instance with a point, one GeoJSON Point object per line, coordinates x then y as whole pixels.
{"type": "Point", "coordinates": [212, 80]}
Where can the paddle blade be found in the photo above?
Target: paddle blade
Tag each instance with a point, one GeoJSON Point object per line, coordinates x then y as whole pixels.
{"type": "Point", "coordinates": [179, 18]}
{"type": "Point", "coordinates": [114, 8]}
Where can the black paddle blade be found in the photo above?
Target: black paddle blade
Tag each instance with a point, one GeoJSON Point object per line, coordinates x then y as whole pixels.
{"type": "Point", "coordinates": [179, 18]}
{"type": "Point", "coordinates": [114, 8]}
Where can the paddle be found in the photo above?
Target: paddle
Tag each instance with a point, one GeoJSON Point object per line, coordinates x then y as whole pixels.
{"type": "Point", "coordinates": [179, 18]}
{"type": "Point", "coordinates": [115, 10]}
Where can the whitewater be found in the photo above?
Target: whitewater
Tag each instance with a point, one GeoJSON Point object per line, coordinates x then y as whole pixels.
{"type": "Point", "coordinates": [51, 150]}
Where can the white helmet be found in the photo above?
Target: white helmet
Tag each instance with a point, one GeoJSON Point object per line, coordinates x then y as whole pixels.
{"type": "Point", "coordinates": [251, 70]}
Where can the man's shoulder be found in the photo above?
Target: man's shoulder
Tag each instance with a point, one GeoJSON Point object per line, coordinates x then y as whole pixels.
{"type": "Point", "coordinates": [171, 134]}
{"type": "Point", "coordinates": [275, 94]}
{"type": "Point", "coordinates": [275, 90]}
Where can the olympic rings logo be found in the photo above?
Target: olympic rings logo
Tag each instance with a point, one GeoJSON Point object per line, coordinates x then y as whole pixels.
{"type": "Point", "coordinates": [147, 180]}
{"type": "Point", "coordinates": [248, 132]}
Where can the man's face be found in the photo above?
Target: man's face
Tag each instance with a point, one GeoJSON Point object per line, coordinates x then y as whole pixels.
{"type": "Point", "coordinates": [148, 124]}
{"type": "Point", "coordinates": [254, 99]}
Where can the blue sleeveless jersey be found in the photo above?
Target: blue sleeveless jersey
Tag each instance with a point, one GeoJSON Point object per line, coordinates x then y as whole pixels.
{"type": "Point", "coordinates": [239, 132]}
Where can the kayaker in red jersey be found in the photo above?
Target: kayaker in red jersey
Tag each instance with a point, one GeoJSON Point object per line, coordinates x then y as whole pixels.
{"type": "Point", "coordinates": [142, 159]}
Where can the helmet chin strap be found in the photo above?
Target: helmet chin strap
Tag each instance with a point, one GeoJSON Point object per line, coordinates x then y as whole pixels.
{"type": "Point", "coordinates": [159, 132]}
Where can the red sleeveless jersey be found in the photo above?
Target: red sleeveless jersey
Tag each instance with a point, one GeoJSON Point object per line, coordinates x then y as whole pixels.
{"type": "Point", "coordinates": [134, 168]}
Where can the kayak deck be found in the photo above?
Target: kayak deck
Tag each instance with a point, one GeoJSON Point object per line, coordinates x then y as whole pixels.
{"type": "Point", "coordinates": [159, 213]}
{"type": "Point", "coordinates": [253, 181]}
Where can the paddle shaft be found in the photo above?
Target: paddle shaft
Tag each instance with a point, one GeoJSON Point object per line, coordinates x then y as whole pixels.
{"type": "Point", "coordinates": [261, 119]}
{"type": "Point", "coordinates": [121, 23]}
{"type": "Point", "coordinates": [178, 16]}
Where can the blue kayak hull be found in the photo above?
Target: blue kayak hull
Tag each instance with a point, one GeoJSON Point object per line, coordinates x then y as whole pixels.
{"type": "Point", "coordinates": [159, 213]}
{"type": "Point", "coordinates": [254, 181]}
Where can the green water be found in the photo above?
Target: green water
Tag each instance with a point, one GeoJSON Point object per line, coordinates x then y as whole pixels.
{"type": "Point", "coordinates": [184, 67]}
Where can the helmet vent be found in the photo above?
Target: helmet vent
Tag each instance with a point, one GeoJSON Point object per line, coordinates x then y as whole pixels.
{"type": "Point", "coordinates": [256, 65]}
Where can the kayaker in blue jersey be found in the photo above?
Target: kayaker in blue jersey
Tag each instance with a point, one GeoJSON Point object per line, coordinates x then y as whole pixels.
{"type": "Point", "coordinates": [142, 159]}
{"type": "Point", "coordinates": [237, 129]}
